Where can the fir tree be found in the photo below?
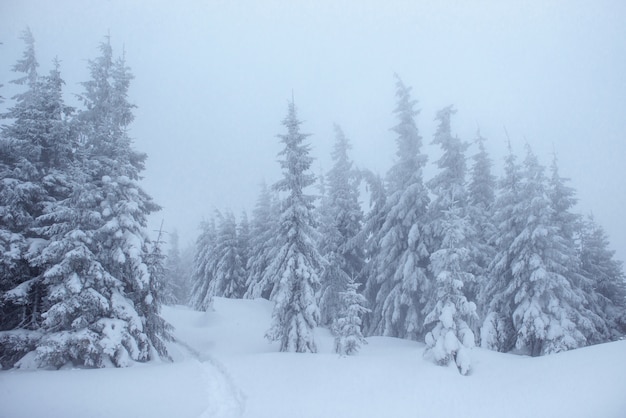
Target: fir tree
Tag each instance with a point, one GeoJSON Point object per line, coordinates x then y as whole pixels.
{"type": "Point", "coordinates": [372, 224]}
{"type": "Point", "coordinates": [177, 280]}
{"type": "Point", "coordinates": [36, 155]}
{"type": "Point", "coordinates": [297, 265]}
{"type": "Point", "coordinates": [451, 235]}
{"type": "Point", "coordinates": [101, 281]}
{"type": "Point", "coordinates": [347, 326]}
{"type": "Point", "coordinates": [481, 199]}
{"type": "Point", "coordinates": [397, 279]}
{"type": "Point", "coordinates": [264, 232]}
{"type": "Point", "coordinates": [204, 267]}
{"type": "Point", "coordinates": [562, 200]}
{"type": "Point", "coordinates": [497, 329]}
{"type": "Point", "coordinates": [229, 275]}
{"type": "Point", "coordinates": [340, 223]}
{"type": "Point", "coordinates": [543, 309]}
{"type": "Point", "coordinates": [451, 336]}
{"type": "Point", "coordinates": [154, 297]}
{"type": "Point", "coordinates": [243, 247]}
{"type": "Point", "coordinates": [606, 275]}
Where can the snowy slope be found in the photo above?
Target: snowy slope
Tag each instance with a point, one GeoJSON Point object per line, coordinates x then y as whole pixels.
{"type": "Point", "coordinates": [227, 369]}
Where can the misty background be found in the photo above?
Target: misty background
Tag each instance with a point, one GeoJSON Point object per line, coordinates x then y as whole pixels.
{"type": "Point", "coordinates": [213, 78]}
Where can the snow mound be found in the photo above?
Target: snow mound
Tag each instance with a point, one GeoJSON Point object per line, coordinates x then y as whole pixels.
{"type": "Point", "coordinates": [223, 367]}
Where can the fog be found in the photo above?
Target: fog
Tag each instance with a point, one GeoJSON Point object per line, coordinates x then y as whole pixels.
{"type": "Point", "coordinates": [212, 81]}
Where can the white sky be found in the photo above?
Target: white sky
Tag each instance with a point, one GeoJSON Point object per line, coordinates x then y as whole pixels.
{"type": "Point", "coordinates": [213, 79]}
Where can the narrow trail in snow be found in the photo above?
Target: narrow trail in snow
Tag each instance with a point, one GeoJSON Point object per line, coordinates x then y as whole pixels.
{"type": "Point", "coordinates": [228, 405]}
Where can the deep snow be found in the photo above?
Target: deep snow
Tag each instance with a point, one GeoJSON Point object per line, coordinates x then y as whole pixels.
{"type": "Point", "coordinates": [225, 368]}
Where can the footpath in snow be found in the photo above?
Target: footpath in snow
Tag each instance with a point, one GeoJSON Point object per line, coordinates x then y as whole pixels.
{"type": "Point", "coordinates": [225, 368]}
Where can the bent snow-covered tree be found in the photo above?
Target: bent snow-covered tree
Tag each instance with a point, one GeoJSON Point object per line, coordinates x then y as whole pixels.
{"type": "Point", "coordinates": [297, 265]}
{"type": "Point", "coordinates": [340, 222]}
{"type": "Point", "coordinates": [450, 262]}
{"type": "Point", "coordinates": [397, 274]}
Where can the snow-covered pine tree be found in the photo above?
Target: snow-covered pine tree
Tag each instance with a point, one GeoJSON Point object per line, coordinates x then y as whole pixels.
{"type": "Point", "coordinates": [229, 277]}
{"type": "Point", "coordinates": [451, 235]}
{"type": "Point", "coordinates": [102, 308]}
{"type": "Point", "coordinates": [243, 245]}
{"type": "Point", "coordinates": [497, 331]}
{"type": "Point", "coordinates": [155, 325]}
{"type": "Point", "coordinates": [347, 326]}
{"type": "Point", "coordinates": [298, 265]}
{"type": "Point", "coordinates": [264, 232]}
{"type": "Point", "coordinates": [204, 267]}
{"type": "Point", "coordinates": [451, 336]}
{"type": "Point", "coordinates": [562, 200]}
{"type": "Point", "coordinates": [535, 294]}
{"type": "Point", "coordinates": [35, 158]}
{"type": "Point", "coordinates": [372, 224]}
{"type": "Point", "coordinates": [177, 279]}
{"type": "Point", "coordinates": [21, 196]}
{"type": "Point", "coordinates": [341, 222]}
{"type": "Point", "coordinates": [606, 274]}
{"type": "Point", "coordinates": [481, 198]}
{"type": "Point", "coordinates": [397, 279]}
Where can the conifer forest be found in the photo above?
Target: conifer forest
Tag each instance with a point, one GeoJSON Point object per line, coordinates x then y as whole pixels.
{"type": "Point", "coordinates": [452, 250]}
{"type": "Point", "coordinates": [459, 259]}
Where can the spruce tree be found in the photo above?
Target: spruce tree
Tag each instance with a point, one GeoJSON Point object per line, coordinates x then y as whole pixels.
{"type": "Point", "coordinates": [204, 267]}
{"type": "Point", "coordinates": [543, 308]}
{"type": "Point", "coordinates": [398, 281]}
{"type": "Point", "coordinates": [263, 243]}
{"type": "Point", "coordinates": [243, 245]}
{"type": "Point", "coordinates": [341, 222]}
{"type": "Point", "coordinates": [102, 281]}
{"type": "Point", "coordinates": [606, 276]}
{"type": "Point", "coordinates": [34, 176]}
{"type": "Point", "coordinates": [347, 326]}
{"type": "Point", "coordinates": [451, 237]}
{"type": "Point", "coordinates": [297, 265]}
{"type": "Point", "coordinates": [177, 281]}
{"type": "Point", "coordinates": [497, 331]}
{"type": "Point", "coordinates": [481, 199]}
{"type": "Point", "coordinates": [229, 277]}
{"type": "Point", "coordinates": [562, 199]}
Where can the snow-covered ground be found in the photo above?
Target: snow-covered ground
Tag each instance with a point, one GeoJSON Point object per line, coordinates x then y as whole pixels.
{"type": "Point", "coordinates": [225, 368]}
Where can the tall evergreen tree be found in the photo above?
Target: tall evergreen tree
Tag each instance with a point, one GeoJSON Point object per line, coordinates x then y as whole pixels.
{"type": "Point", "coordinates": [543, 309]}
{"type": "Point", "coordinates": [102, 308]}
{"type": "Point", "coordinates": [155, 325]}
{"type": "Point", "coordinates": [372, 224]}
{"type": "Point", "coordinates": [497, 329]}
{"type": "Point", "coordinates": [398, 273]}
{"type": "Point", "coordinates": [342, 218]}
{"type": "Point", "coordinates": [481, 199]}
{"type": "Point", "coordinates": [243, 245]}
{"type": "Point", "coordinates": [204, 267]}
{"type": "Point", "coordinates": [450, 262]}
{"type": "Point", "coordinates": [36, 153]}
{"type": "Point", "coordinates": [606, 275]}
{"type": "Point", "coordinates": [229, 277]}
{"type": "Point", "coordinates": [298, 265]}
{"type": "Point", "coordinates": [264, 232]}
{"type": "Point", "coordinates": [177, 280]}
{"type": "Point", "coordinates": [562, 199]}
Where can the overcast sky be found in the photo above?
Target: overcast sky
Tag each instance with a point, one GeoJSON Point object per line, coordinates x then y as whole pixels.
{"type": "Point", "coordinates": [213, 79]}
